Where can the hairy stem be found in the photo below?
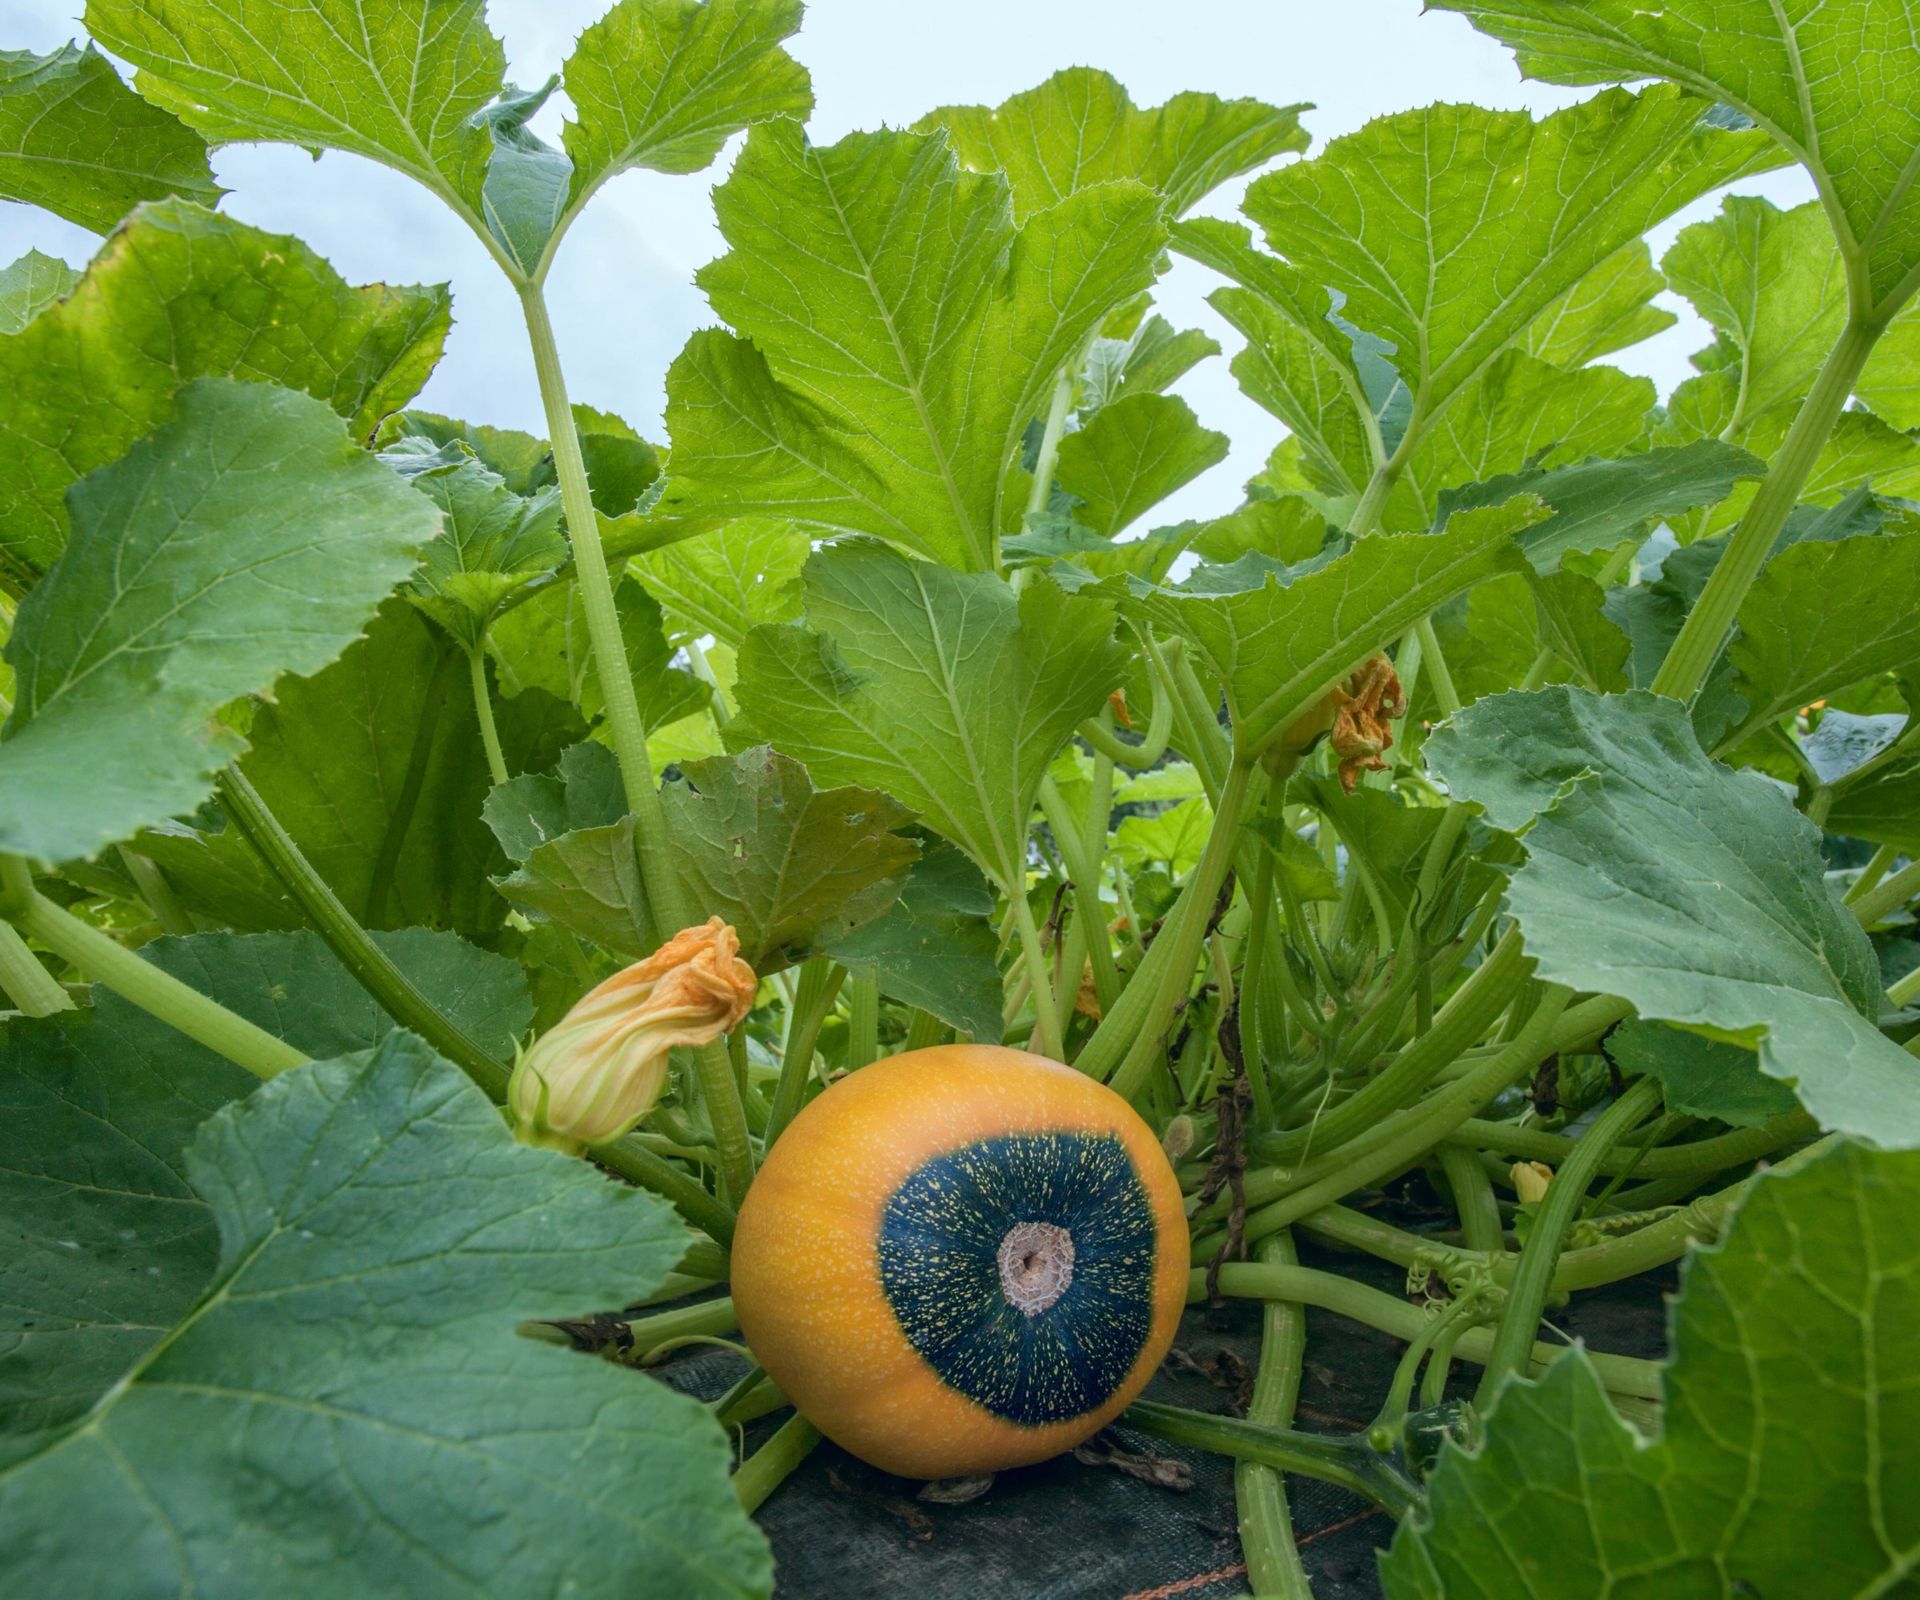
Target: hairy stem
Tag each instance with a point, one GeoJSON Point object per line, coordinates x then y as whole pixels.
{"type": "Point", "coordinates": [820, 981]}
{"type": "Point", "coordinates": [483, 713]}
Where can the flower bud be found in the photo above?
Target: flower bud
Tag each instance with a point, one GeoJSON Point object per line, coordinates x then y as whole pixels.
{"type": "Point", "coordinates": [1530, 1180]}
{"type": "Point", "coordinates": [598, 1071]}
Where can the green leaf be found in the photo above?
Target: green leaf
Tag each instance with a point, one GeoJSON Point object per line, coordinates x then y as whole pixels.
{"type": "Point", "coordinates": [1601, 504]}
{"type": "Point", "coordinates": [1834, 84]}
{"type": "Point", "coordinates": [542, 644]}
{"type": "Point", "coordinates": [896, 334]}
{"type": "Point", "coordinates": [1279, 638]}
{"type": "Point", "coordinates": [939, 688]}
{"type": "Point", "coordinates": [1450, 229]}
{"type": "Point", "coordinates": [1296, 363]}
{"type": "Point", "coordinates": [1521, 420]}
{"type": "Point", "coordinates": [1792, 1426]}
{"type": "Point", "coordinates": [583, 791]}
{"type": "Point", "coordinates": [31, 284]}
{"type": "Point", "coordinates": [375, 768]}
{"type": "Point", "coordinates": [1081, 128]}
{"type": "Point", "coordinates": [1132, 455]}
{"type": "Point", "coordinates": [664, 83]}
{"type": "Point", "coordinates": [1173, 837]}
{"type": "Point", "coordinates": [1288, 529]}
{"type": "Point", "coordinates": [792, 867]}
{"type": "Point", "coordinates": [588, 882]}
{"type": "Point", "coordinates": [491, 540]}
{"type": "Point", "coordinates": [935, 946]}
{"type": "Point", "coordinates": [728, 580]}
{"type": "Point", "coordinates": [1824, 614]}
{"type": "Point", "coordinates": [1701, 1077]}
{"type": "Point", "coordinates": [1149, 360]}
{"type": "Point", "coordinates": [397, 81]}
{"type": "Point", "coordinates": [245, 539]}
{"type": "Point", "coordinates": [435, 1450]}
{"type": "Point", "coordinates": [1570, 612]}
{"type": "Point", "coordinates": [525, 193]}
{"type": "Point", "coordinates": [1693, 892]}
{"type": "Point", "coordinates": [75, 139]}
{"type": "Point", "coordinates": [181, 293]}
{"type": "Point", "coordinates": [524, 463]}
{"type": "Point", "coordinates": [1607, 310]}
{"type": "Point", "coordinates": [110, 1244]}
{"type": "Point", "coordinates": [1882, 805]}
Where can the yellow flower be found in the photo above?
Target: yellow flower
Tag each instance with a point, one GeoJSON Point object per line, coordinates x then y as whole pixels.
{"type": "Point", "coordinates": [1530, 1180]}
{"type": "Point", "coordinates": [599, 1070]}
{"type": "Point", "coordinates": [1358, 712]}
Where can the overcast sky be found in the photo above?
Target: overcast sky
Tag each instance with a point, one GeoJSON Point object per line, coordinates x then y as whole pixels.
{"type": "Point", "coordinates": [622, 290]}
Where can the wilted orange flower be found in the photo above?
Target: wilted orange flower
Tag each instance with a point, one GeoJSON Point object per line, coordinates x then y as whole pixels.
{"type": "Point", "coordinates": [598, 1071]}
{"type": "Point", "coordinates": [1118, 700]}
{"type": "Point", "coordinates": [1365, 706]}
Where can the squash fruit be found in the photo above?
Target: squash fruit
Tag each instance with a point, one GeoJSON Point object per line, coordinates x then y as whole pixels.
{"type": "Point", "coordinates": [962, 1259]}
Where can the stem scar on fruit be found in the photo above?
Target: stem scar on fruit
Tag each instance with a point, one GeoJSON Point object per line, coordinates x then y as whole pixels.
{"type": "Point", "coordinates": [962, 1259]}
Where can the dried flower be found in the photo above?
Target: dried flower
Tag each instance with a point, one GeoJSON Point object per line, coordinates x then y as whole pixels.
{"type": "Point", "coordinates": [597, 1071]}
{"type": "Point", "coordinates": [1530, 1180]}
{"type": "Point", "coordinates": [1365, 707]}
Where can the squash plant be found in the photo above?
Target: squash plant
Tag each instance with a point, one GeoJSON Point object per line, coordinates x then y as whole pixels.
{"type": "Point", "coordinates": [1514, 797]}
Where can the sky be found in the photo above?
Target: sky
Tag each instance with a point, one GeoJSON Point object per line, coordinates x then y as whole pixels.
{"type": "Point", "coordinates": [622, 295]}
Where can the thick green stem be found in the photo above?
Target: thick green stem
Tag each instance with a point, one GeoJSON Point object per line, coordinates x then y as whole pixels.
{"type": "Point", "coordinates": [34, 991]}
{"type": "Point", "coordinates": [139, 982]}
{"type": "Point", "coordinates": [1904, 991]}
{"type": "Point", "coordinates": [820, 981]}
{"type": "Point", "coordinates": [157, 892]}
{"type": "Point", "coordinates": [1080, 850]}
{"type": "Point", "coordinates": [1888, 896]}
{"type": "Point", "coordinates": [1473, 1199]}
{"type": "Point", "coordinates": [1129, 1037]}
{"type": "Point", "coordinates": [720, 1094]}
{"type": "Point", "coordinates": [1260, 1492]}
{"type": "Point", "coordinates": [1153, 743]}
{"type": "Point", "coordinates": [1705, 631]}
{"type": "Point", "coordinates": [483, 712]}
{"type": "Point", "coordinates": [1048, 456]}
{"type": "Point", "coordinates": [863, 1023]}
{"type": "Point", "coordinates": [1046, 1011]}
{"type": "Point", "coordinates": [1391, 1313]}
{"type": "Point", "coordinates": [774, 1462]}
{"type": "Point", "coordinates": [1347, 1460]}
{"type": "Point", "coordinates": [370, 966]}
{"type": "Point", "coordinates": [1403, 1138]}
{"type": "Point", "coordinates": [1703, 1156]}
{"type": "Point", "coordinates": [1533, 1282]}
{"type": "Point", "coordinates": [1463, 1021]}
{"type": "Point", "coordinates": [624, 722]}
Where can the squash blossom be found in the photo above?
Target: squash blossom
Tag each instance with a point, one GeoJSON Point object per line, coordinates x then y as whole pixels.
{"type": "Point", "coordinates": [598, 1071]}
{"type": "Point", "coordinates": [1358, 713]}
{"type": "Point", "coordinates": [1530, 1180]}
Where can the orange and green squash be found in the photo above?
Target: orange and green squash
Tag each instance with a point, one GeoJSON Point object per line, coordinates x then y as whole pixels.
{"type": "Point", "coordinates": [962, 1259]}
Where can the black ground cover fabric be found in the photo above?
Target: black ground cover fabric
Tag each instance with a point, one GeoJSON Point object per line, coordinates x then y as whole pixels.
{"type": "Point", "coordinates": [1065, 1530]}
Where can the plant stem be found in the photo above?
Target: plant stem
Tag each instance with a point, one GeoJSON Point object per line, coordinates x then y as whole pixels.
{"type": "Point", "coordinates": [483, 711]}
{"type": "Point", "coordinates": [1888, 896]}
{"type": "Point", "coordinates": [1705, 631]}
{"type": "Point", "coordinates": [370, 966]}
{"type": "Point", "coordinates": [139, 982]}
{"type": "Point", "coordinates": [702, 1318]}
{"type": "Point", "coordinates": [1260, 1492]}
{"type": "Point", "coordinates": [774, 1462]}
{"type": "Point", "coordinates": [1903, 991]}
{"type": "Point", "coordinates": [1406, 1136]}
{"type": "Point", "coordinates": [1129, 1038]}
{"type": "Point", "coordinates": [1081, 853]}
{"type": "Point", "coordinates": [1473, 1199]}
{"type": "Point", "coordinates": [1527, 1295]}
{"type": "Point", "coordinates": [1048, 455]}
{"type": "Point", "coordinates": [157, 892]}
{"type": "Point", "coordinates": [820, 981]}
{"type": "Point", "coordinates": [1702, 1155]}
{"type": "Point", "coordinates": [629, 732]}
{"type": "Point", "coordinates": [1347, 1460]}
{"type": "Point", "coordinates": [34, 991]}
{"type": "Point", "coordinates": [863, 1023]}
{"type": "Point", "coordinates": [1046, 1012]}
{"type": "Point", "coordinates": [1465, 1019]}
{"type": "Point", "coordinates": [1329, 1291]}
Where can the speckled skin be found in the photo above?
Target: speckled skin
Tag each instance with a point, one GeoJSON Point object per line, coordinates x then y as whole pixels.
{"type": "Point", "coordinates": [806, 1257]}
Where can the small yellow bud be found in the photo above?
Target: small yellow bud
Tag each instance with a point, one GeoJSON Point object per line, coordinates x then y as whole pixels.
{"type": "Point", "coordinates": [599, 1069]}
{"type": "Point", "coordinates": [1530, 1180]}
